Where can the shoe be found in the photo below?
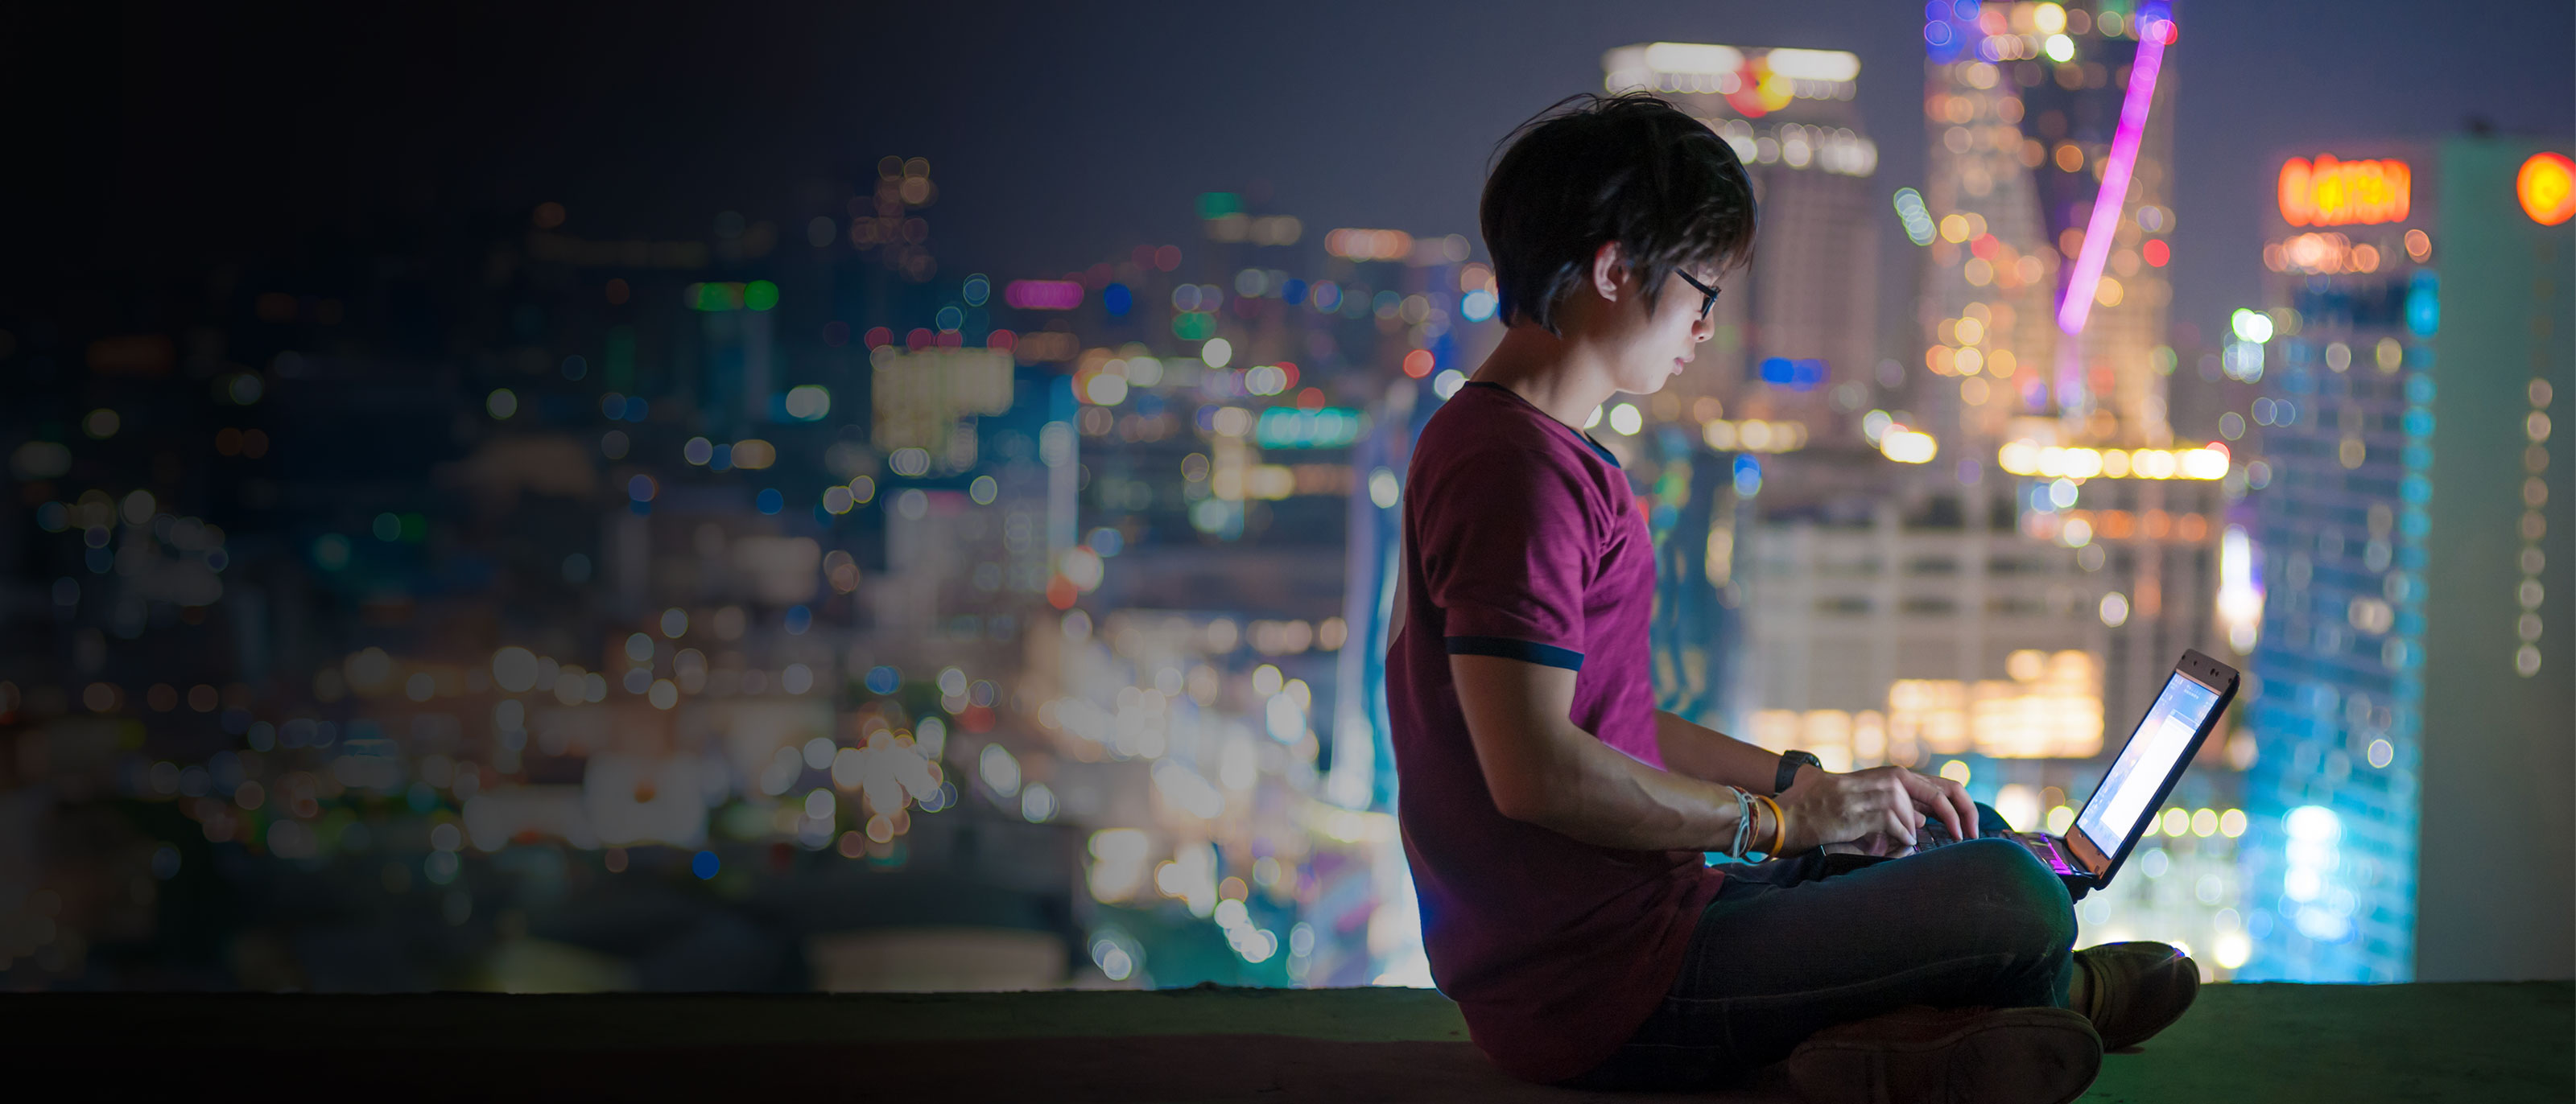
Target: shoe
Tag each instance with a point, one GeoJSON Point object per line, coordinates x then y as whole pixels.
{"type": "Point", "coordinates": [2136, 989]}
{"type": "Point", "coordinates": [1925, 1055]}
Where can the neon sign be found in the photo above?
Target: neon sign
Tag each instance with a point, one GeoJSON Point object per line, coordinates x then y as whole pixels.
{"type": "Point", "coordinates": [2341, 193]}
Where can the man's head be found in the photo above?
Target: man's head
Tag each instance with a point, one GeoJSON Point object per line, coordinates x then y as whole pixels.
{"type": "Point", "coordinates": [1599, 212]}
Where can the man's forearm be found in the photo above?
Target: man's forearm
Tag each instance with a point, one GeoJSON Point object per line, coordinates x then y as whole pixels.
{"type": "Point", "coordinates": [1602, 796]}
{"type": "Point", "coordinates": [1707, 754]}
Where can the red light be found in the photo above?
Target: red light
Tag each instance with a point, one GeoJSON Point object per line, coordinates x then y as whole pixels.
{"type": "Point", "coordinates": [1311, 398]}
{"type": "Point", "coordinates": [877, 336]}
{"type": "Point", "coordinates": [1290, 370]}
{"type": "Point", "coordinates": [1417, 363]}
{"type": "Point", "coordinates": [2157, 253]}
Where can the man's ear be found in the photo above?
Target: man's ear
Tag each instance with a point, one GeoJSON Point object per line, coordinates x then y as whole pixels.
{"type": "Point", "coordinates": [1609, 272]}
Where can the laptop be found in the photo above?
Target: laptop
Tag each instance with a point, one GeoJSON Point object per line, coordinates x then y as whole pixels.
{"type": "Point", "coordinates": [2116, 816]}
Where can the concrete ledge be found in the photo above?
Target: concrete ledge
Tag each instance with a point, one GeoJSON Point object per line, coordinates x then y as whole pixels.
{"type": "Point", "coordinates": [2254, 1042]}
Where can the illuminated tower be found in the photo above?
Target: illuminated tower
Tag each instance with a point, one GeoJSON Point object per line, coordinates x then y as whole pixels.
{"type": "Point", "coordinates": [2045, 210]}
{"type": "Point", "coordinates": [1802, 319]}
{"type": "Point", "coordinates": [2411, 506]}
{"type": "Point", "coordinates": [2044, 308]}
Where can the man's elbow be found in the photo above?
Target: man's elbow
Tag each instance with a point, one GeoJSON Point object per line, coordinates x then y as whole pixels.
{"type": "Point", "coordinates": [1527, 802]}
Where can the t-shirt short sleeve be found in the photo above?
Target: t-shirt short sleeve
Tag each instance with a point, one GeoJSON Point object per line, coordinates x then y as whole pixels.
{"type": "Point", "coordinates": [1507, 548]}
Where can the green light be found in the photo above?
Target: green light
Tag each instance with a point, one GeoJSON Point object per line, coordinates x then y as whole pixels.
{"type": "Point", "coordinates": [1194, 325]}
{"type": "Point", "coordinates": [621, 359]}
{"type": "Point", "coordinates": [331, 551]}
{"type": "Point", "coordinates": [760, 295]}
{"type": "Point", "coordinates": [1219, 204]}
{"type": "Point", "coordinates": [714, 296]}
{"type": "Point", "coordinates": [1329, 427]}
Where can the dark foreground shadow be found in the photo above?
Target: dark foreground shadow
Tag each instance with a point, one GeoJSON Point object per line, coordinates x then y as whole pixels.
{"type": "Point", "coordinates": [1272, 1069]}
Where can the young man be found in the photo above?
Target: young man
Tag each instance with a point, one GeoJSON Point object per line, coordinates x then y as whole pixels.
{"type": "Point", "coordinates": [1555, 820]}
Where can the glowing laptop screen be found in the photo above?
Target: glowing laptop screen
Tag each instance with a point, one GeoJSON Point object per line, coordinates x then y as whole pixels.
{"type": "Point", "coordinates": [2126, 793]}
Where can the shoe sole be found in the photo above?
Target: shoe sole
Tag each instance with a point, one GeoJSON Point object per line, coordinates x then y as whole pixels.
{"type": "Point", "coordinates": [1927, 1056]}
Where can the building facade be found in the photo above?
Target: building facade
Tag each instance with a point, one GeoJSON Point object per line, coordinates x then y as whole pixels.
{"type": "Point", "coordinates": [2411, 680]}
{"type": "Point", "coordinates": [2044, 212]}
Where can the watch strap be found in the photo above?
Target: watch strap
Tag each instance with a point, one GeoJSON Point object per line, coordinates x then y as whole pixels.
{"type": "Point", "coordinates": [1789, 763]}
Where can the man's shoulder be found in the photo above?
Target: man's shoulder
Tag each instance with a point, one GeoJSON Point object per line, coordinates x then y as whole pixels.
{"type": "Point", "coordinates": [1493, 435]}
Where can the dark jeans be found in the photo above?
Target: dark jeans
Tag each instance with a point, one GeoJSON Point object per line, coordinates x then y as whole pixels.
{"type": "Point", "coordinates": [1788, 949]}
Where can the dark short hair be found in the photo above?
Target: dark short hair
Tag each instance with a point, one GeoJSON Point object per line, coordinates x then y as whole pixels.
{"type": "Point", "coordinates": [1590, 169]}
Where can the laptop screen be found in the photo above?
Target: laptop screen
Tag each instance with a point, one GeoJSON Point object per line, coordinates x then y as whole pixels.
{"type": "Point", "coordinates": [2122, 800]}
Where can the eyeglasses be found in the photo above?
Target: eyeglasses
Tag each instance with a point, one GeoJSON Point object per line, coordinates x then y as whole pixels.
{"type": "Point", "coordinates": [1704, 289]}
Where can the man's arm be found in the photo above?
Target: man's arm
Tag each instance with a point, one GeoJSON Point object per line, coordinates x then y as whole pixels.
{"type": "Point", "coordinates": [1706, 753]}
{"type": "Point", "coordinates": [1543, 770]}
{"type": "Point", "coordinates": [1702, 752]}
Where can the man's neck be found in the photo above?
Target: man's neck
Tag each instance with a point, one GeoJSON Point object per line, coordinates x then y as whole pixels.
{"type": "Point", "coordinates": [1568, 380]}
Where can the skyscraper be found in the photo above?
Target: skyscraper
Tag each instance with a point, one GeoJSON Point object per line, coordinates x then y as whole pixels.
{"type": "Point", "coordinates": [1796, 336]}
{"type": "Point", "coordinates": [2045, 210]}
{"type": "Point", "coordinates": [2044, 306]}
{"type": "Point", "coordinates": [2004, 615]}
{"type": "Point", "coordinates": [2409, 820]}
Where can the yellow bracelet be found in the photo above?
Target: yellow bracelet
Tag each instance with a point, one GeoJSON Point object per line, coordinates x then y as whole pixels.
{"type": "Point", "coordinates": [1779, 828]}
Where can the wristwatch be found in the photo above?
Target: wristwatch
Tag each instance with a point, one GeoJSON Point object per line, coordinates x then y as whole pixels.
{"type": "Point", "coordinates": [1790, 761]}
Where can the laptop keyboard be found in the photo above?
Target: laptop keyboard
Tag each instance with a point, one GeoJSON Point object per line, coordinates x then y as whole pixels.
{"type": "Point", "coordinates": [1932, 835]}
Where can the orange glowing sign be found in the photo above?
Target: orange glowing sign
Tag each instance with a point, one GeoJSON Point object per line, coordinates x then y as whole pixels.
{"type": "Point", "coordinates": [2341, 193]}
{"type": "Point", "coordinates": [2547, 185]}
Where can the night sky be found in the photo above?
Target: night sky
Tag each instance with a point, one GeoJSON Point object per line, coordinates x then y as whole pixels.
{"type": "Point", "coordinates": [1063, 134]}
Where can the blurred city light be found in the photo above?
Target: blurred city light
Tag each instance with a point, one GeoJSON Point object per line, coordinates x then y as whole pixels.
{"type": "Point", "coordinates": [702, 599]}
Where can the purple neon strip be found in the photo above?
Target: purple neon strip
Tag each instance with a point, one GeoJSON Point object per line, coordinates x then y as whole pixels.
{"type": "Point", "coordinates": [2078, 306]}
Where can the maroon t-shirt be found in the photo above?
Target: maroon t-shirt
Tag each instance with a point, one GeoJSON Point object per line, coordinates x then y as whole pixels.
{"type": "Point", "coordinates": [1523, 540]}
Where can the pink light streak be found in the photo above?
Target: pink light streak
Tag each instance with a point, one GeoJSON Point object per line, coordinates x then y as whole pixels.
{"type": "Point", "coordinates": [2078, 305]}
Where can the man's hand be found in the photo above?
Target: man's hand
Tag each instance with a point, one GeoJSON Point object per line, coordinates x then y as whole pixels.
{"type": "Point", "coordinates": [1878, 810]}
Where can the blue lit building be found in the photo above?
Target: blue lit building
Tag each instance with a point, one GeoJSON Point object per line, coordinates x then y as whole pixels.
{"type": "Point", "coordinates": [2408, 678]}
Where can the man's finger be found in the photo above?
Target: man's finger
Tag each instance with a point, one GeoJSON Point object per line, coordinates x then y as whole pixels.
{"type": "Point", "coordinates": [1932, 795]}
{"type": "Point", "coordinates": [1967, 811]}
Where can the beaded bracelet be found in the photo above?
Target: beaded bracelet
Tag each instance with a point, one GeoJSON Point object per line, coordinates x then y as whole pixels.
{"type": "Point", "coordinates": [1743, 821]}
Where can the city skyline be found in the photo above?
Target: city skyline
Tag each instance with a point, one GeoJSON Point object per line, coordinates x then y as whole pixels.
{"type": "Point", "coordinates": [903, 563]}
{"type": "Point", "coordinates": [765, 129]}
